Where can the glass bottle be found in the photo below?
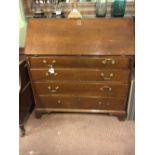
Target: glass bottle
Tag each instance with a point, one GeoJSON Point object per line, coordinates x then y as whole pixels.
{"type": "Point", "coordinates": [118, 8]}
{"type": "Point", "coordinates": [101, 8]}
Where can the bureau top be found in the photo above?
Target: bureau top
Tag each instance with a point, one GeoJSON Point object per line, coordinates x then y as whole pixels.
{"type": "Point", "coordinates": [110, 36]}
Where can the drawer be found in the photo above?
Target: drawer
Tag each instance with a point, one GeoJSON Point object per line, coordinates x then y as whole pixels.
{"type": "Point", "coordinates": [104, 89]}
{"type": "Point", "coordinates": [80, 75]}
{"type": "Point", "coordinates": [80, 61]}
{"type": "Point", "coordinates": [70, 102]}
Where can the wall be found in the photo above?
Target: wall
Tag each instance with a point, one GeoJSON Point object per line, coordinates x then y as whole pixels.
{"type": "Point", "coordinates": [22, 25]}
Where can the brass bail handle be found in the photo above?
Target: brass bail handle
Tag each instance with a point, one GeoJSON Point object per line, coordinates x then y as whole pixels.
{"type": "Point", "coordinates": [53, 90]}
{"type": "Point", "coordinates": [104, 61]}
{"type": "Point", "coordinates": [106, 88]}
{"type": "Point", "coordinates": [48, 64]}
{"type": "Point", "coordinates": [107, 77]}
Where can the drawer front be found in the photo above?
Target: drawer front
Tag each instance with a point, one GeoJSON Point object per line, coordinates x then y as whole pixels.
{"type": "Point", "coordinates": [80, 75]}
{"type": "Point", "coordinates": [86, 89]}
{"type": "Point", "coordinates": [68, 102]}
{"type": "Point", "coordinates": [77, 61]}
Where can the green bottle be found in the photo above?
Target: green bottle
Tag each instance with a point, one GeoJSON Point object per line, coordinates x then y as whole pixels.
{"type": "Point", "coordinates": [118, 8]}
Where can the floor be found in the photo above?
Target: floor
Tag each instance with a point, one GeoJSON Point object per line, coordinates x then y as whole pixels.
{"type": "Point", "coordinates": [78, 134]}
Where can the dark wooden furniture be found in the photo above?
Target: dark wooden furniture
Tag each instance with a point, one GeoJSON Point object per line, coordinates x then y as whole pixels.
{"type": "Point", "coordinates": [26, 99]}
{"type": "Point", "coordinates": [80, 65]}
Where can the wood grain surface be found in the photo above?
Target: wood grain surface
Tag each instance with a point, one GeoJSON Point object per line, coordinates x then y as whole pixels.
{"type": "Point", "coordinates": [79, 74]}
{"type": "Point", "coordinates": [82, 89]}
{"type": "Point", "coordinates": [80, 102]}
{"type": "Point", "coordinates": [80, 61]}
{"type": "Point", "coordinates": [80, 37]}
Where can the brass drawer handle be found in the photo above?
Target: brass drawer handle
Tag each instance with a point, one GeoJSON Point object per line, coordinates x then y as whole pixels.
{"type": "Point", "coordinates": [100, 102]}
{"type": "Point", "coordinates": [53, 90]}
{"type": "Point", "coordinates": [104, 61]}
{"type": "Point", "coordinates": [107, 78]}
{"type": "Point", "coordinates": [48, 74]}
{"type": "Point", "coordinates": [48, 64]}
{"type": "Point", "coordinates": [59, 101]}
{"type": "Point", "coordinates": [107, 88]}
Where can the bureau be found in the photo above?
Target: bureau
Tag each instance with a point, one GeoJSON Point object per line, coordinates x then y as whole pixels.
{"type": "Point", "coordinates": [81, 65]}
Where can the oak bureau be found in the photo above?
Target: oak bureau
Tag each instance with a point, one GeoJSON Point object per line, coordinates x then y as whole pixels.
{"type": "Point", "coordinates": [81, 65]}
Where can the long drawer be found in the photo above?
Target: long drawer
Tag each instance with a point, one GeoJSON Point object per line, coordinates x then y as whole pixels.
{"type": "Point", "coordinates": [71, 102]}
{"type": "Point", "coordinates": [80, 75]}
{"type": "Point", "coordinates": [106, 89]}
{"type": "Point", "coordinates": [78, 61]}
